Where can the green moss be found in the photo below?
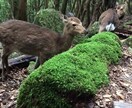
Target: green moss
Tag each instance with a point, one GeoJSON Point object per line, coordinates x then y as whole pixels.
{"type": "Point", "coordinates": [79, 39]}
{"type": "Point", "coordinates": [44, 97]}
{"type": "Point", "coordinates": [104, 37]}
{"type": "Point", "coordinates": [81, 70]}
{"type": "Point", "coordinates": [49, 18]}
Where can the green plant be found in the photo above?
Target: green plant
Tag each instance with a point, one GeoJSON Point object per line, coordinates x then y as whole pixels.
{"type": "Point", "coordinates": [80, 70]}
{"type": "Point", "coordinates": [4, 10]}
{"type": "Point", "coordinates": [94, 28]}
{"type": "Point", "coordinates": [49, 18]}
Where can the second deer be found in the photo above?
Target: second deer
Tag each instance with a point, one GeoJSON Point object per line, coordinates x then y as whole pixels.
{"type": "Point", "coordinates": [109, 19]}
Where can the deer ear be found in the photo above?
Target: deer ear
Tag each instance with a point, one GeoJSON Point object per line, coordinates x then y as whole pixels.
{"type": "Point", "coordinates": [122, 7]}
{"type": "Point", "coordinates": [65, 21]}
{"type": "Point", "coordinates": [63, 18]}
{"type": "Point", "coordinates": [117, 5]}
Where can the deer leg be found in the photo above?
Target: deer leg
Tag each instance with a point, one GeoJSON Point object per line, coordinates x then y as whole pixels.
{"type": "Point", "coordinates": [37, 63]}
{"type": "Point", "coordinates": [6, 53]}
{"type": "Point", "coordinates": [101, 28]}
{"type": "Point", "coordinates": [41, 59]}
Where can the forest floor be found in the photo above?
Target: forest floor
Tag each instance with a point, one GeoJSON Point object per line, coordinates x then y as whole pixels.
{"type": "Point", "coordinates": [119, 88]}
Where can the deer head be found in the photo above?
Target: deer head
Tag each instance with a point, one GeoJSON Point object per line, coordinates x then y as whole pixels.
{"type": "Point", "coordinates": [121, 10]}
{"type": "Point", "coordinates": [73, 26]}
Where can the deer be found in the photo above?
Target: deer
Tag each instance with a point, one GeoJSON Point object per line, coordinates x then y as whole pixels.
{"type": "Point", "coordinates": [31, 39]}
{"type": "Point", "coordinates": [110, 19]}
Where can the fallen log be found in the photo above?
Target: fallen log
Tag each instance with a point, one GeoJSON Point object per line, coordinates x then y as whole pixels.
{"type": "Point", "coordinates": [21, 61]}
{"type": "Point", "coordinates": [123, 32]}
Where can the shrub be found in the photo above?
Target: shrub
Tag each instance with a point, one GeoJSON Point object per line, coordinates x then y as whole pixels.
{"type": "Point", "coordinates": [49, 18]}
{"type": "Point", "coordinates": [81, 70]}
{"type": "Point", "coordinates": [94, 28]}
{"type": "Point", "coordinates": [4, 10]}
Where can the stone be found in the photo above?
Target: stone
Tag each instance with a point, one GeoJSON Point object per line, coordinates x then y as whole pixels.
{"type": "Point", "coordinates": [118, 104]}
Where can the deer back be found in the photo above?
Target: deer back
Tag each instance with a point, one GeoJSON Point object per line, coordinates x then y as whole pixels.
{"type": "Point", "coordinates": [26, 37]}
{"type": "Point", "coordinates": [121, 10]}
{"type": "Point", "coordinates": [32, 39]}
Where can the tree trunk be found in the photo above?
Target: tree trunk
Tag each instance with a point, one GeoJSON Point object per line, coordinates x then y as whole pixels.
{"type": "Point", "coordinates": [46, 4]}
{"type": "Point", "coordinates": [73, 6]}
{"type": "Point", "coordinates": [14, 7]}
{"type": "Point", "coordinates": [86, 21]}
{"type": "Point", "coordinates": [81, 8]}
{"type": "Point", "coordinates": [22, 14]}
{"type": "Point", "coordinates": [128, 8]}
{"type": "Point", "coordinates": [64, 5]}
{"type": "Point", "coordinates": [57, 4]}
{"type": "Point", "coordinates": [96, 12]}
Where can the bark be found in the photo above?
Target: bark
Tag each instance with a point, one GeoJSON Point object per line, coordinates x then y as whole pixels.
{"type": "Point", "coordinates": [73, 6]}
{"type": "Point", "coordinates": [81, 8]}
{"type": "Point", "coordinates": [22, 14]}
{"type": "Point", "coordinates": [57, 4]}
{"type": "Point", "coordinates": [64, 5]}
{"type": "Point", "coordinates": [86, 21]}
{"type": "Point", "coordinates": [129, 7]}
{"type": "Point", "coordinates": [14, 8]}
{"type": "Point", "coordinates": [96, 12]}
{"type": "Point", "coordinates": [46, 3]}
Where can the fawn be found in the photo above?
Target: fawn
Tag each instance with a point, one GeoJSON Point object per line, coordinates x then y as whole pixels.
{"type": "Point", "coordinates": [31, 39]}
{"type": "Point", "coordinates": [109, 19]}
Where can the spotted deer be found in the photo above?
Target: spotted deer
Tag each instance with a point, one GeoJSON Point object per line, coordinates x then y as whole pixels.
{"type": "Point", "coordinates": [31, 39]}
{"type": "Point", "coordinates": [110, 19]}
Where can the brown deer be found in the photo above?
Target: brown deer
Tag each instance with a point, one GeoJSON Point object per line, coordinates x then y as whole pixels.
{"type": "Point", "coordinates": [31, 39]}
{"type": "Point", "coordinates": [109, 19]}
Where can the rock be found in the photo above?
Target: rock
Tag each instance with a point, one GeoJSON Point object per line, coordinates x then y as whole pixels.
{"type": "Point", "coordinates": [118, 104]}
{"type": "Point", "coordinates": [128, 42]}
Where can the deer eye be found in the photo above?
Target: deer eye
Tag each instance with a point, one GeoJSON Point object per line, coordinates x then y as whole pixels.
{"type": "Point", "coordinates": [74, 25]}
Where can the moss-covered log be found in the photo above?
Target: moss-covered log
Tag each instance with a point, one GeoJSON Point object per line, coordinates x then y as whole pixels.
{"type": "Point", "coordinates": [81, 70]}
{"type": "Point", "coordinates": [49, 18]}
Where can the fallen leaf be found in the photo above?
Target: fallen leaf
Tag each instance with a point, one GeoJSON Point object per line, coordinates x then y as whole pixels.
{"type": "Point", "coordinates": [125, 84]}
{"type": "Point", "coordinates": [107, 96]}
{"type": "Point", "coordinates": [107, 100]}
{"type": "Point", "coordinates": [127, 75]}
{"type": "Point", "coordinates": [119, 94]}
{"type": "Point", "coordinates": [2, 90]}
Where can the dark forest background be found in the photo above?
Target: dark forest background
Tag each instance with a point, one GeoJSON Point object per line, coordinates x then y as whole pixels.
{"type": "Point", "coordinates": [86, 10]}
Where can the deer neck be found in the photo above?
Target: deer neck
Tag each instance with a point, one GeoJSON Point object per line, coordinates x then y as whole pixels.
{"type": "Point", "coordinates": [65, 41]}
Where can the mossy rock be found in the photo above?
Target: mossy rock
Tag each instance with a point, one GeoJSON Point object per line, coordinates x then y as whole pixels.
{"type": "Point", "coordinates": [80, 70]}
{"type": "Point", "coordinates": [49, 18]}
{"type": "Point", "coordinates": [128, 41]}
{"type": "Point", "coordinates": [94, 28]}
{"type": "Point", "coordinates": [79, 39]}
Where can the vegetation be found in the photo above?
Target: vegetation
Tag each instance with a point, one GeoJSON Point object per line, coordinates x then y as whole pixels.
{"type": "Point", "coordinates": [81, 70]}
{"type": "Point", "coordinates": [4, 10]}
{"type": "Point", "coordinates": [86, 10]}
{"type": "Point", "coordinates": [49, 18]}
